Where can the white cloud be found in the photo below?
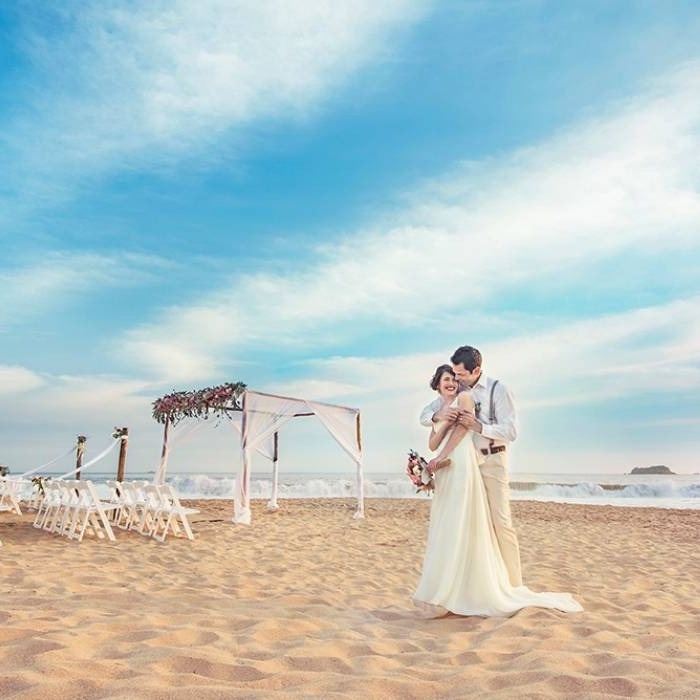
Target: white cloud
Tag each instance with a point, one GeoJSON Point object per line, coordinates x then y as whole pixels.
{"type": "Point", "coordinates": [14, 380]}
{"type": "Point", "coordinates": [72, 398]}
{"type": "Point", "coordinates": [630, 357]}
{"type": "Point", "coordinates": [638, 352]}
{"type": "Point", "coordinates": [620, 184]}
{"type": "Point", "coordinates": [641, 352]}
{"type": "Point", "coordinates": [32, 287]}
{"type": "Point", "coordinates": [147, 83]}
{"type": "Point", "coordinates": [633, 358]}
{"type": "Point", "coordinates": [53, 410]}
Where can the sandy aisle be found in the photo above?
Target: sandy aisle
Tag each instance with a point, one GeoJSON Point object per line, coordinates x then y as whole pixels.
{"type": "Point", "coordinates": [308, 602]}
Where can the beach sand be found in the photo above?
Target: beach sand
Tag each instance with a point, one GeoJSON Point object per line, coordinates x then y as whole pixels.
{"type": "Point", "coordinates": [307, 602]}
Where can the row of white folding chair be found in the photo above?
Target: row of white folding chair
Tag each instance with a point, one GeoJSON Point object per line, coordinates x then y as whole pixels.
{"type": "Point", "coordinates": [72, 508]}
{"type": "Point", "coordinates": [55, 511]}
{"type": "Point", "coordinates": [56, 499]}
{"type": "Point", "coordinates": [168, 514]}
{"type": "Point", "coordinates": [129, 499]}
{"type": "Point", "coordinates": [25, 492]}
{"type": "Point", "coordinates": [10, 494]}
{"type": "Point", "coordinates": [135, 503]}
{"type": "Point", "coordinates": [152, 510]}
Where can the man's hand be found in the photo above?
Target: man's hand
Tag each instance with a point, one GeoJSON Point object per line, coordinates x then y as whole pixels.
{"type": "Point", "coordinates": [435, 464]}
{"type": "Point", "coordinates": [446, 413]}
{"type": "Point", "coordinates": [469, 421]}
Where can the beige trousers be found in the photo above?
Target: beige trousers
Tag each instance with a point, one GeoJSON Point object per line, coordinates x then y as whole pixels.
{"type": "Point", "coordinates": [494, 472]}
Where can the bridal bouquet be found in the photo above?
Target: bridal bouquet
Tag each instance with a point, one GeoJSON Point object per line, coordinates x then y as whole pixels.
{"type": "Point", "coordinates": [417, 470]}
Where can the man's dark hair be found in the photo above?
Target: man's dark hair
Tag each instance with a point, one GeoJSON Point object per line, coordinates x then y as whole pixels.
{"type": "Point", "coordinates": [468, 356]}
{"type": "Point", "coordinates": [435, 381]}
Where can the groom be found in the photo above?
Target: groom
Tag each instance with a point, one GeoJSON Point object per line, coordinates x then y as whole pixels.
{"type": "Point", "coordinates": [494, 426]}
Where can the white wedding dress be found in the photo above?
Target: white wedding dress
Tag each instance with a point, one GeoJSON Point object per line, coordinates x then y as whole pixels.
{"type": "Point", "coordinates": [463, 571]}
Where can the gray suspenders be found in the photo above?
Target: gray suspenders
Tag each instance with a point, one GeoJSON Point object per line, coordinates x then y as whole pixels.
{"type": "Point", "coordinates": [492, 407]}
{"type": "Point", "coordinates": [492, 410]}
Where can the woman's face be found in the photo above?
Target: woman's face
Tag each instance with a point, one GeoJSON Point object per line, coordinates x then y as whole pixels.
{"type": "Point", "coordinates": [448, 385]}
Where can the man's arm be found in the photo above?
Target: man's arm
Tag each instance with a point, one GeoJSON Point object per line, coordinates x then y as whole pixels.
{"type": "Point", "coordinates": [426, 416]}
{"type": "Point", "coordinates": [506, 427]}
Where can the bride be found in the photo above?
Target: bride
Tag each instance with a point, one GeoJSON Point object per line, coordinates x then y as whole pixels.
{"type": "Point", "coordinates": [463, 571]}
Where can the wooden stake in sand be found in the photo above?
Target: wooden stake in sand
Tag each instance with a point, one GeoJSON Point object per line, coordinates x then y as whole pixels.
{"type": "Point", "coordinates": [79, 450]}
{"type": "Point", "coordinates": [122, 433]}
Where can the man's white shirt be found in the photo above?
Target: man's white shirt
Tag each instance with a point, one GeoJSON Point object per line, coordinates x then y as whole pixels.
{"type": "Point", "coordinates": [503, 430]}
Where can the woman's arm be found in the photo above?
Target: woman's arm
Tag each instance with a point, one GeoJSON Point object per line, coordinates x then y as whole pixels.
{"type": "Point", "coordinates": [437, 436]}
{"type": "Point", "coordinates": [466, 403]}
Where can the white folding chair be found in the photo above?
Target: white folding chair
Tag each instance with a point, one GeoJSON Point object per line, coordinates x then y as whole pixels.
{"type": "Point", "coordinates": [10, 493]}
{"type": "Point", "coordinates": [50, 505]}
{"type": "Point", "coordinates": [42, 507]}
{"type": "Point", "coordinates": [118, 500]}
{"type": "Point", "coordinates": [37, 494]}
{"type": "Point", "coordinates": [172, 514]}
{"type": "Point", "coordinates": [134, 504]}
{"type": "Point", "coordinates": [89, 514]}
{"type": "Point", "coordinates": [152, 512]}
{"type": "Point", "coordinates": [66, 514]}
{"type": "Point", "coordinates": [165, 513]}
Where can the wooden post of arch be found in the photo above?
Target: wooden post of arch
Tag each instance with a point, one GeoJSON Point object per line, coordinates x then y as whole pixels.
{"type": "Point", "coordinates": [123, 433]}
{"type": "Point", "coordinates": [165, 437]}
{"type": "Point", "coordinates": [360, 512]}
{"type": "Point", "coordinates": [164, 450]}
{"type": "Point", "coordinates": [79, 450]}
{"type": "Point", "coordinates": [272, 503]}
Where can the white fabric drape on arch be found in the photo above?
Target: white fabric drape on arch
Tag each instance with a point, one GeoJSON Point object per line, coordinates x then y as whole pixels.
{"type": "Point", "coordinates": [268, 449]}
{"type": "Point", "coordinates": [265, 414]}
{"type": "Point", "coordinates": [178, 433]}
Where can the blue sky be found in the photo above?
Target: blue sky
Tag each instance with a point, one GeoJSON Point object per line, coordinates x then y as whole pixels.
{"type": "Point", "coordinates": [325, 199]}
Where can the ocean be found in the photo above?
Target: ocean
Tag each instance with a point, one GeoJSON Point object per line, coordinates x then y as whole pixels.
{"type": "Point", "coordinates": [658, 491]}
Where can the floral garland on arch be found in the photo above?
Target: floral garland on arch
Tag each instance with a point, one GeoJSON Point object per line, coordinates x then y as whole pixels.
{"type": "Point", "coordinates": [198, 403]}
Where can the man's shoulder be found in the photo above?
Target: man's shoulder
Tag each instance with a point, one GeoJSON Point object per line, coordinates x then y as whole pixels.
{"type": "Point", "coordinates": [500, 389]}
{"type": "Point", "coordinates": [489, 383]}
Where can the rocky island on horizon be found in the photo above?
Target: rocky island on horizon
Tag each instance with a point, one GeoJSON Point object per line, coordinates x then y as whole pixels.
{"type": "Point", "coordinates": [658, 469]}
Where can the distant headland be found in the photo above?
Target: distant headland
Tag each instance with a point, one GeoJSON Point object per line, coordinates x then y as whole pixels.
{"type": "Point", "coordinates": [658, 469]}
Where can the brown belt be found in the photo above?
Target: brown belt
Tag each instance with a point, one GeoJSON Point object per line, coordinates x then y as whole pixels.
{"type": "Point", "coordinates": [493, 450]}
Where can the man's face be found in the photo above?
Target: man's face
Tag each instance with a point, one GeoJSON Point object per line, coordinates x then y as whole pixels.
{"type": "Point", "coordinates": [464, 376]}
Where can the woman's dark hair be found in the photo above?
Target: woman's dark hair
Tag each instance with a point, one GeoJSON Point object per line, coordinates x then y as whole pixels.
{"type": "Point", "coordinates": [435, 381]}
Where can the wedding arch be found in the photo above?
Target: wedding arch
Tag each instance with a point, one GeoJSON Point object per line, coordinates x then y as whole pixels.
{"type": "Point", "coordinates": [258, 417]}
